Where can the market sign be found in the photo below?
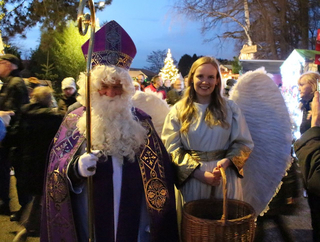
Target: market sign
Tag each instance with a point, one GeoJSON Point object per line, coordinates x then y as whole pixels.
{"type": "Point", "coordinates": [248, 49]}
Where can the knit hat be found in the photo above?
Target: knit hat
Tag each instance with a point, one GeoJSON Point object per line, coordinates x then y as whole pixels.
{"type": "Point", "coordinates": [68, 82]}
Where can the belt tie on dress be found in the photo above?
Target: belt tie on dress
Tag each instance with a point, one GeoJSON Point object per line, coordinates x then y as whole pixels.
{"type": "Point", "coordinates": [205, 156]}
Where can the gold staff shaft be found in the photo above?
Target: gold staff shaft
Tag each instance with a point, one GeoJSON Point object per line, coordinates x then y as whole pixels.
{"type": "Point", "coordinates": [86, 20]}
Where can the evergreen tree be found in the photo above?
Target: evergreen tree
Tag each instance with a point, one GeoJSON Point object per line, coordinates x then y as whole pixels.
{"type": "Point", "coordinates": [61, 51]}
{"type": "Point", "coordinates": [67, 52]}
{"type": "Point", "coordinates": [186, 62]}
{"type": "Point", "coordinates": [236, 66]}
{"type": "Point", "coordinates": [169, 71]}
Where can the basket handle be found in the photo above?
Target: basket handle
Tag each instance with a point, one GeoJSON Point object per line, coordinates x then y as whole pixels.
{"type": "Point", "coordinates": [224, 216]}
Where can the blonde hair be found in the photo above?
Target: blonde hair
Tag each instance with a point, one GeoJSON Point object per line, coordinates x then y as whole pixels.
{"type": "Point", "coordinates": [311, 77]}
{"type": "Point", "coordinates": [216, 112]}
{"type": "Point", "coordinates": [42, 95]}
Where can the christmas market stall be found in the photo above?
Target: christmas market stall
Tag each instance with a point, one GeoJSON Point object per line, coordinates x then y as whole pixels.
{"type": "Point", "coordinates": [298, 62]}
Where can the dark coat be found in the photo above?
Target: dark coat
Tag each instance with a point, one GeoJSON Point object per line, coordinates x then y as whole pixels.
{"type": "Point", "coordinates": [307, 149]}
{"type": "Point", "coordinates": [39, 124]}
{"type": "Point", "coordinates": [173, 96]}
{"type": "Point", "coordinates": [13, 95]}
{"type": "Point", "coordinates": [64, 102]}
{"type": "Point", "coordinates": [305, 123]}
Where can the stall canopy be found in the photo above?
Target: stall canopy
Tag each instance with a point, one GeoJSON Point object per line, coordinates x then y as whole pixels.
{"type": "Point", "coordinates": [298, 62]}
{"type": "Point", "coordinates": [271, 67]}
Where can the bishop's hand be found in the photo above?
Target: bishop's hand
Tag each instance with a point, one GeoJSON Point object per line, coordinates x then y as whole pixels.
{"type": "Point", "coordinates": [87, 163]}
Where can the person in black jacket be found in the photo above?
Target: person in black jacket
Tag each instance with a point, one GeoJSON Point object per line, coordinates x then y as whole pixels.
{"type": "Point", "coordinates": [307, 86]}
{"type": "Point", "coordinates": [175, 94]}
{"type": "Point", "coordinates": [307, 149]}
{"type": "Point", "coordinates": [13, 95]}
{"type": "Point", "coordinates": [39, 124]}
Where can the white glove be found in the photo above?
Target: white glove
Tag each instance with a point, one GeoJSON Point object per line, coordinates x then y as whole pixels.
{"type": "Point", "coordinates": [88, 160]}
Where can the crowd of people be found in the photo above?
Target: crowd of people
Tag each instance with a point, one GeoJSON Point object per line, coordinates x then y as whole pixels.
{"type": "Point", "coordinates": [135, 168]}
{"type": "Point", "coordinates": [30, 117]}
{"type": "Point", "coordinates": [169, 90]}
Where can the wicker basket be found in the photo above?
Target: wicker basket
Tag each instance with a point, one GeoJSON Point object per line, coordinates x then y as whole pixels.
{"type": "Point", "coordinates": [218, 220]}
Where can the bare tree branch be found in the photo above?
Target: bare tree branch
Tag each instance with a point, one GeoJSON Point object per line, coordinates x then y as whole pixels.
{"type": "Point", "coordinates": [276, 26]}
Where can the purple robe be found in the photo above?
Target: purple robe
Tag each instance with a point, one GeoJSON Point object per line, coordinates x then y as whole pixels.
{"type": "Point", "coordinates": [149, 177]}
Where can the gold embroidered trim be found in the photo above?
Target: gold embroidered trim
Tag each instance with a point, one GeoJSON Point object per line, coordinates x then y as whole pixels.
{"type": "Point", "coordinates": [157, 193]}
{"type": "Point", "coordinates": [152, 171]}
{"type": "Point", "coordinates": [239, 155]}
{"type": "Point", "coordinates": [111, 57]}
{"type": "Point", "coordinates": [184, 163]}
{"type": "Point", "coordinates": [57, 189]}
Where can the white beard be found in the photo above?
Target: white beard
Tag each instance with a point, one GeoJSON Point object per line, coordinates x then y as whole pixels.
{"type": "Point", "coordinates": [113, 128]}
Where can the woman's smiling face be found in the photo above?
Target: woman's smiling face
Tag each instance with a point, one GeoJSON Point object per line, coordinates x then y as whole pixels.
{"type": "Point", "coordinates": [204, 81]}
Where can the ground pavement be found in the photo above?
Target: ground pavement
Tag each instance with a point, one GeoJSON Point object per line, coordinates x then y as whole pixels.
{"type": "Point", "coordinates": [299, 224]}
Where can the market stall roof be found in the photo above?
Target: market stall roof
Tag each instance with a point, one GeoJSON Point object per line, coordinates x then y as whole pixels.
{"type": "Point", "coordinates": [271, 66]}
{"type": "Point", "coordinates": [299, 61]}
{"type": "Point", "coordinates": [308, 54]}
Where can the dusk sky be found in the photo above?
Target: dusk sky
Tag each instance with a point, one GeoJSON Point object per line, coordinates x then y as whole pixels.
{"type": "Point", "coordinates": [153, 26]}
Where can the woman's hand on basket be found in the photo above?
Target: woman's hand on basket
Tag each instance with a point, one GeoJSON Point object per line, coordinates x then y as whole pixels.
{"type": "Point", "coordinates": [209, 178]}
{"type": "Point", "coordinates": [225, 162]}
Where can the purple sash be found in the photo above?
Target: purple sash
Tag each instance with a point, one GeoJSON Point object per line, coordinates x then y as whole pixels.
{"type": "Point", "coordinates": [57, 218]}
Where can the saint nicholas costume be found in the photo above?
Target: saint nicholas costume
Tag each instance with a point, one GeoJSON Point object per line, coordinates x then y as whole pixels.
{"type": "Point", "coordinates": [133, 200]}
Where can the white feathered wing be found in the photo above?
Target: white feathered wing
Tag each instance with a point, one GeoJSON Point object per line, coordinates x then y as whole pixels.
{"type": "Point", "coordinates": [268, 120]}
{"type": "Point", "coordinates": [154, 105]}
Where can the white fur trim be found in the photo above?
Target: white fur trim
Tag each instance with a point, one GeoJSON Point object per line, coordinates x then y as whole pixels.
{"type": "Point", "coordinates": [152, 104]}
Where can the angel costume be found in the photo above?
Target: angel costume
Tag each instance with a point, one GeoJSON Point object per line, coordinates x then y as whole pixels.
{"type": "Point", "coordinates": [202, 147]}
